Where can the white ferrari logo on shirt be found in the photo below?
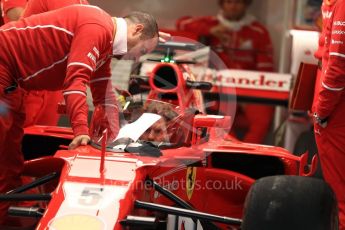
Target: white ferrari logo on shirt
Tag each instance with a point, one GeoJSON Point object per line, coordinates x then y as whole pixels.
{"type": "Point", "coordinates": [92, 57]}
{"type": "Point", "coordinates": [248, 45]}
{"type": "Point", "coordinates": [96, 51]}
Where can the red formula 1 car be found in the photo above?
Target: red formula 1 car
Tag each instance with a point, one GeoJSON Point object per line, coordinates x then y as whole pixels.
{"type": "Point", "coordinates": [169, 167]}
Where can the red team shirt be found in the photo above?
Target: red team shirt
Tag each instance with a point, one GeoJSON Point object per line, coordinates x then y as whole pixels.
{"type": "Point", "coordinates": [248, 47]}
{"type": "Point", "coordinates": [69, 59]}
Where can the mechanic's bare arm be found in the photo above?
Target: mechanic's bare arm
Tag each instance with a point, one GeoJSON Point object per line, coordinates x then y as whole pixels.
{"type": "Point", "coordinates": [15, 13]}
{"type": "Point", "coordinates": [80, 140]}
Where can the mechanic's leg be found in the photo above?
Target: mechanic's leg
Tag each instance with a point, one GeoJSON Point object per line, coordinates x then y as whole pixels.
{"type": "Point", "coordinates": [260, 119]}
{"type": "Point", "coordinates": [331, 147]}
{"type": "Point", "coordinates": [11, 134]}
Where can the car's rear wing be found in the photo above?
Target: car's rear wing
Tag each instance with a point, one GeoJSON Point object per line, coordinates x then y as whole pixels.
{"type": "Point", "coordinates": [248, 86]}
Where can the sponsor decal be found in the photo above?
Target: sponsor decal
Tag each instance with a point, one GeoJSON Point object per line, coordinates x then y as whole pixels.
{"type": "Point", "coordinates": [338, 32]}
{"type": "Point", "coordinates": [93, 54]}
{"type": "Point", "coordinates": [326, 14]}
{"type": "Point", "coordinates": [334, 42]}
{"type": "Point", "coordinates": [339, 23]}
{"type": "Point", "coordinates": [92, 57]}
{"type": "Point", "coordinates": [254, 80]}
{"type": "Point", "coordinates": [96, 51]}
{"type": "Point", "coordinates": [190, 181]}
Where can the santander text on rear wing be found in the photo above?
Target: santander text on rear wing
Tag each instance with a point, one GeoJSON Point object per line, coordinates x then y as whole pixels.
{"type": "Point", "coordinates": [254, 86]}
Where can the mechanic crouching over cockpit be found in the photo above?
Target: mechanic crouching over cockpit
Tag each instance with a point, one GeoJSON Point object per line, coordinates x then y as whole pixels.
{"type": "Point", "coordinates": [66, 49]}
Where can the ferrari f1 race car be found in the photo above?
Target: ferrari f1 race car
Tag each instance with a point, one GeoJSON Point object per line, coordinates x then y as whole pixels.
{"type": "Point", "coordinates": [171, 166]}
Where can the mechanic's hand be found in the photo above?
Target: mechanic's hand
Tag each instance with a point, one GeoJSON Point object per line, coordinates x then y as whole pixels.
{"type": "Point", "coordinates": [163, 37]}
{"type": "Point", "coordinates": [220, 32]}
{"type": "Point", "coordinates": [79, 140]}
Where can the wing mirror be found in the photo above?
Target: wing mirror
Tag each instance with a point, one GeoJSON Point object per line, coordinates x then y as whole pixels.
{"type": "Point", "coordinates": [203, 125]}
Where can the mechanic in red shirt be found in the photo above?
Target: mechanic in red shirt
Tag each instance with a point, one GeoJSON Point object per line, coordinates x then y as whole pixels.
{"type": "Point", "coordinates": [329, 124]}
{"type": "Point", "coordinates": [41, 103]}
{"type": "Point", "coordinates": [66, 49]}
{"type": "Point", "coordinates": [41, 106]}
{"type": "Point", "coordinates": [242, 43]}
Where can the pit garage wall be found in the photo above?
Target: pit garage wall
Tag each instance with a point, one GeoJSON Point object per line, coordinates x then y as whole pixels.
{"type": "Point", "coordinates": [269, 12]}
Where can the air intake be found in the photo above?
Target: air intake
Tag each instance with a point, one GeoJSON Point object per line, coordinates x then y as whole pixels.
{"type": "Point", "coordinates": [165, 78]}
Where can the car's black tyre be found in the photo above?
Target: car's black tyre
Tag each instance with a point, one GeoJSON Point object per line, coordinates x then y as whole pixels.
{"type": "Point", "coordinates": [291, 203]}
